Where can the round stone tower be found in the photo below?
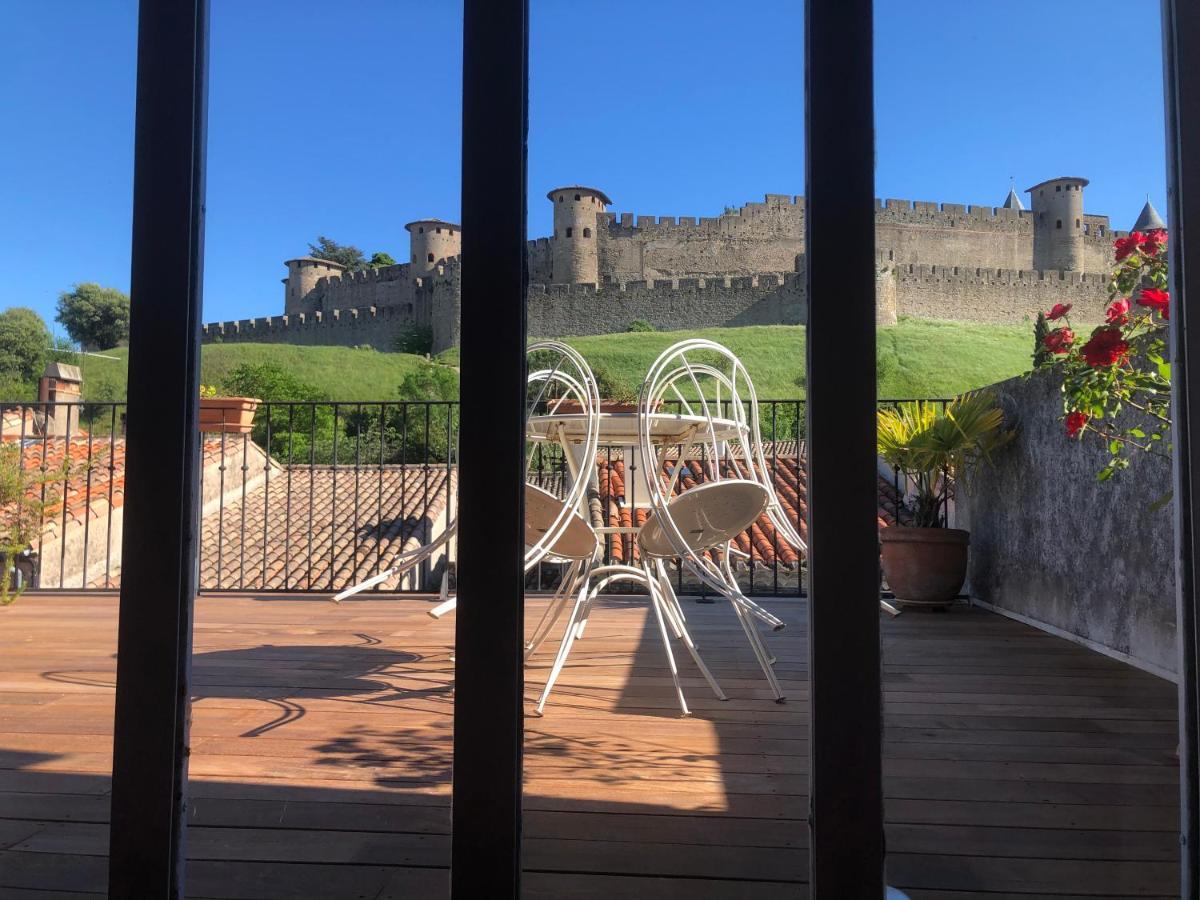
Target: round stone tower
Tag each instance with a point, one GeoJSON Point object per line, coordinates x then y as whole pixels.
{"type": "Point", "coordinates": [431, 241]}
{"type": "Point", "coordinates": [575, 259]}
{"type": "Point", "coordinates": [1058, 223]}
{"type": "Point", "coordinates": [302, 277]}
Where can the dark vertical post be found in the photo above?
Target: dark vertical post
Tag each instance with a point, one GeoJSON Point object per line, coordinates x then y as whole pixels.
{"type": "Point", "coordinates": [161, 510]}
{"type": "Point", "coordinates": [489, 675]}
{"type": "Point", "coordinates": [158, 577]}
{"type": "Point", "coordinates": [846, 815]}
{"type": "Point", "coordinates": [1181, 51]}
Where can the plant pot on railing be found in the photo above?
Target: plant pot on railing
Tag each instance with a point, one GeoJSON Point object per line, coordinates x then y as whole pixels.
{"type": "Point", "coordinates": [228, 415]}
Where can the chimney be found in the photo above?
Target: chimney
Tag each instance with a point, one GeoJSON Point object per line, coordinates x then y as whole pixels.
{"type": "Point", "coordinates": [61, 389]}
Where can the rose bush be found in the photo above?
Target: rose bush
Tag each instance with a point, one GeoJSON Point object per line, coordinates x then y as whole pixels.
{"type": "Point", "coordinates": [1116, 385]}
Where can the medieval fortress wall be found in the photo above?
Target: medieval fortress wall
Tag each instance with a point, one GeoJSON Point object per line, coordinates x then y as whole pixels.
{"type": "Point", "coordinates": [601, 270]}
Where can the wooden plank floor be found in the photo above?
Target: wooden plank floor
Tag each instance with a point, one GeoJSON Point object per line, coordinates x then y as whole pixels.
{"type": "Point", "coordinates": [1017, 765]}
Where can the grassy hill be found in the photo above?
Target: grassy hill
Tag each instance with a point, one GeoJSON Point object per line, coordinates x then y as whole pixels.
{"type": "Point", "coordinates": [342, 373]}
{"type": "Point", "coordinates": [916, 358]}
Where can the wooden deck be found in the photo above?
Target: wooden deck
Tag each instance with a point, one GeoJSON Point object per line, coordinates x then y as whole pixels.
{"type": "Point", "coordinates": [1018, 765]}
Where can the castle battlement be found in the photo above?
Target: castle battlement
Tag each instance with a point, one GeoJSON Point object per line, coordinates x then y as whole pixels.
{"type": "Point", "coordinates": [599, 270]}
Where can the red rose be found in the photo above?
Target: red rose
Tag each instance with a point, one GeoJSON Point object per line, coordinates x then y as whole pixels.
{"type": "Point", "coordinates": [1059, 340]}
{"type": "Point", "coordinates": [1118, 312]}
{"type": "Point", "coordinates": [1154, 241]}
{"type": "Point", "coordinates": [1106, 347]}
{"type": "Point", "coordinates": [1159, 301]}
{"type": "Point", "coordinates": [1060, 310]}
{"type": "Point", "coordinates": [1075, 422]}
{"type": "Point", "coordinates": [1126, 245]}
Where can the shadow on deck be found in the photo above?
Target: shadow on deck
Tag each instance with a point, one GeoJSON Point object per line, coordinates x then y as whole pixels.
{"type": "Point", "coordinates": [1016, 764]}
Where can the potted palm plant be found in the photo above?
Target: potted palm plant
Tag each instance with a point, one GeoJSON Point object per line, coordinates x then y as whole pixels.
{"type": "Point", "coordinates": [935, 449]}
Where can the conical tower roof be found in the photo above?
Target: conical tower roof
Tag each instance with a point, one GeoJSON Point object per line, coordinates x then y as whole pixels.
{"type": "Point", "coordinates": [1149, 220]}
{"type": "Point", "coordinates": [1012, 201]}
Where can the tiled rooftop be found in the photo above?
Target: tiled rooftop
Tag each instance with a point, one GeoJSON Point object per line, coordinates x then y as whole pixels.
{"type": "Point", "coordinates": [324, 537]}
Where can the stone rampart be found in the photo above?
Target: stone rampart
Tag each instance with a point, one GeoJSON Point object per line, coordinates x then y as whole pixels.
{"type": "Point", "coordinates": [995, 295]}
{"type": "Point", "coordinates": [373, 326]}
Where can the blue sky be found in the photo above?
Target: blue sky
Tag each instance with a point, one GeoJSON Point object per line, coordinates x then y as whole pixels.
{"type": "Point", "coordinates": [344, 119]}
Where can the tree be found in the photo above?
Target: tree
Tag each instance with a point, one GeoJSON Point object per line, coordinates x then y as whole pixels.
{"type": "Point", "coordinates": [380, 259]}
{"type": "Point", "coordinates": [94, 316]}
{"type": "Point", "coordinates": [24, 345]}
{"type": "Point", "coordinates": [346, 254]}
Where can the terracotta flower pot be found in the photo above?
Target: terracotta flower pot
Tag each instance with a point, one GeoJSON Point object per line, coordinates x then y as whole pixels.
{"type": "Point", "coordinates": [231, 415]}
{"type": "Point", "coordinates": [925, 565]}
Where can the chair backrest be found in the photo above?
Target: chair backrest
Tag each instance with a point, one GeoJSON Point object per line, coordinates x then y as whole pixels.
{"type": "Point", "coordinates": [560, 384]}
{"type": "Point", "coordinates": [706, 381]}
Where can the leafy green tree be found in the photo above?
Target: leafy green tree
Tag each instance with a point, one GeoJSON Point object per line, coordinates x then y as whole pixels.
{"type": "Point", "coordinates": [380, 259]}
{"type": "Point", "coordinates": [94, 316]}
{"type": "Point", "coordinates": [346, 254]}
{"type": "Point", "coordinates": [24, 345]}
{"type": "Point", "coordinates": [299, 430]}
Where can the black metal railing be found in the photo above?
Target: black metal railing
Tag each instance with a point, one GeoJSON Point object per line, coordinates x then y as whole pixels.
{"type": "Point", "coordinates": [315, 496]}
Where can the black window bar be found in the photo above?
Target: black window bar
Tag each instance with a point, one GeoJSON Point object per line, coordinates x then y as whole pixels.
{"type": "Point", "coordinates": [158, 573]}
{"type": "Point", "coordinates": [490, 623]}
{"type": "Point", "coordinates": [845, 725]}
{"type": "Point", "coordinates": [1181, 50]}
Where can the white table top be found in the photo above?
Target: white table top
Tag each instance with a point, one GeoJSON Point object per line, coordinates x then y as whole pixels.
{"type": "Point", "coordinates": [622, 428]}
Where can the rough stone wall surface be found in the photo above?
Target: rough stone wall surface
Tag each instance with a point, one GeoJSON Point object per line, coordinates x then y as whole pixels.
{"type": "Point", "coordinates": [376, 327]}
{"type": "Point", "coordinates": [562, 310]}
{"type": "Point", "coordinates": [1052, 544]}
{"type": "Point", "coordinates": [388, 286]}
{"type": "Point", "coordinates": [1005, 296]}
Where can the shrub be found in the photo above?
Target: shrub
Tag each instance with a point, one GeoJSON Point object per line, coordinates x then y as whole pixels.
{"type": "Point", "coordinates": [415, 340]}
{"type": "Point", "coordinates": [640, 325]}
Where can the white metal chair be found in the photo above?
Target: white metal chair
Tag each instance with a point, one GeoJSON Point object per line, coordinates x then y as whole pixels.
{"type": "Point", "coordinates": [563, 378]}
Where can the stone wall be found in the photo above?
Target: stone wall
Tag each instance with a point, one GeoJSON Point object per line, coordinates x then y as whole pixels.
{"type": "Point", "coordinates": [1052, 546]}
{"type": "Point", "coordinates": [561, 310]}
{"type": "Point", "coordinates": [376, 327]}
{"type": "Point", "coordinates": [999, 296]}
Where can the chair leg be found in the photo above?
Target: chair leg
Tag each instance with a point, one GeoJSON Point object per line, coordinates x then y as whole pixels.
{"type": "Point", "coordinates": [656, 602]}
{"type": "Point", "coordinates": [670, 601]}
{"type": "Point", "coordinates": [444, 607]}
{"type": "Point", "coordinates": [553, 609]}
{"type": "Point", "coordinates": [760, 651]}
{"type": "Point", "coordinates": [888, 608]}
{"type": "Point", "coordinates": [564, 648]}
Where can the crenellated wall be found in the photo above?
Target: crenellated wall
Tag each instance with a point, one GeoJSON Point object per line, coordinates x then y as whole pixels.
{"type": "Point", "coordinates": [995, 295]}
{"type": "Point", "coordinates": [934, 260]}
{"type": "Point", "coordinates": [375, 326]}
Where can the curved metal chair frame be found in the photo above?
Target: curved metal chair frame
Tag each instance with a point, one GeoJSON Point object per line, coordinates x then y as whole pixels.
{"type": "Point", "coordinates": [568, 378]}
{"type": "Point", "coordinates": [706, 379]}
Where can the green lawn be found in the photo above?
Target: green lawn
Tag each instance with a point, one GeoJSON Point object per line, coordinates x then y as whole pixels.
{"type": "Point", "coordinates": [916, 358]}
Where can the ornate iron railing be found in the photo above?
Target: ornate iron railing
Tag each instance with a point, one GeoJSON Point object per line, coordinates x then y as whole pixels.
{"type": "Point", "coordinates": [315, 496]}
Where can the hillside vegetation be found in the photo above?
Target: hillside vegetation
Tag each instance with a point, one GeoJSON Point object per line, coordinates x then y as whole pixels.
{"type": "Point", "coordinates": [916, 358]}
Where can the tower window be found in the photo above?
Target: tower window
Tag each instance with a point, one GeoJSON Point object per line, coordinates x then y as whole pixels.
{"type": "Point", "coordinates": [576, 196]}
{"type": "Point", "coordinates": [1058, 224]}
{"type": "Point", "coordinates": [1076, 223]}
{"type": "Point", "coordinates": [1100, 231]}
{"type": "Point", "coordinates": [439, 231]}
{"type": "Point", "coordinates": [568, 232]}
{"type": "Point", "coordinates": [1058, 188]}
{"type": "Point", "coordinates": [587, 232]}
{"type": "Point", "coordinates": [420, 229]}
{"type": "Point", "coordinates": [431, 255]}
{"type": "Point", "coordinates": [560, 198]}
